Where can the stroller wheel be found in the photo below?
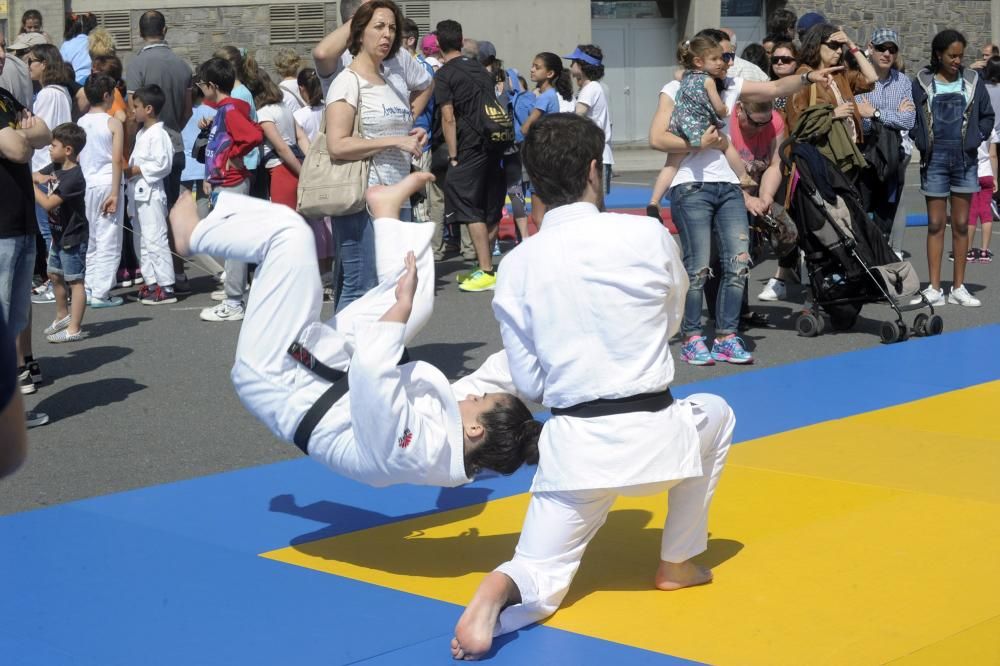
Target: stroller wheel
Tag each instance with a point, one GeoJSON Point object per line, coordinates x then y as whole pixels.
{"type": "Point", "coordinates": [920, 324]}
{"type": "Point", "coordinates": [904, 332]}
{"type": "Point", "coordinates": [890, 332]}
{"type": "Point", "coordinates": [808, 325]}
{"type": "Point", "coordinates": [936, 325]}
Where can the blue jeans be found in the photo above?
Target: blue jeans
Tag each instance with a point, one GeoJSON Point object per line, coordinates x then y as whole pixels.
{"type": "Point", "coordinates": [17, 263]}
{"type": "Point", "coordinates": [354, 252]}
{"type": "Point", "coordinates": [43, 224]}
{"type": "Point", "coordinates": [70, 263]}
{"type": "Point", "coordinates": [699, 211]}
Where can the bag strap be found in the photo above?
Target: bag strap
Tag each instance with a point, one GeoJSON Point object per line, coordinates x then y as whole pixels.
{"type": "Point", "coordinates": [812, 94]}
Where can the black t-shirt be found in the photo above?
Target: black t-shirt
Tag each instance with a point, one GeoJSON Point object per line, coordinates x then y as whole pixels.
{"type": "Point", "coordinates": [68, 220]}
{"type": "Point", "coordinates": [17, 211]}
{"type": "Point", "coordinates": [460, 82]}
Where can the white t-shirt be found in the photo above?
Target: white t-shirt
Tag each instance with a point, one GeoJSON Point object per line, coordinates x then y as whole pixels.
{"type": "Point", "coordinates": [309, 119]}
{"type": "Point", "coordinates": [593, 96]}
{"type": "Point", "coordinates": [52, 104]}
{"type": "Point", "coordinates": [282, 119]}
{"type": "Point", "coordinates": [707, 166]}
{"type": "Point", "coordinates": [384, 112]}
{"type": "Point", "coordinates": [290, 95]}
{"type": "Point", "coordinates": [985, 168]}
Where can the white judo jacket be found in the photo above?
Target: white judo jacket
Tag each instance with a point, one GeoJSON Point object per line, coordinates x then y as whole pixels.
{"type": "Point", "coordinates": [586, 308]}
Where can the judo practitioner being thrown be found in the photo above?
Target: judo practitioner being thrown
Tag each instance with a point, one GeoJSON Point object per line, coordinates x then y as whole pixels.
{"type": "Point", "coordinates": [586, 309]}
{"type": "Point", "coordinates": [398, 423]}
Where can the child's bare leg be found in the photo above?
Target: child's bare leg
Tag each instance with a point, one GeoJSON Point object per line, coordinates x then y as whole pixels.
{"type": "Point", "coordinates": [386, 200]}
{"type": "Point", "coordinates": [60, 292]}
{"type": "Point", "coordinates": [665, 178]}
{"type": "Point", "coordinates": [78, 305]}
{"type": "Point", "coordinates": [474, 631]}
{"type": "Point", "coordinates": [674, 576]}
{"type": "Point", "coordinates": [183, 219]}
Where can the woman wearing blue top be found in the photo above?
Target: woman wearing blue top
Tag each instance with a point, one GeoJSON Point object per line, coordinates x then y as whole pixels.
{"type": "Point", "coordinates": [553, 81]}
{"type": "Point", "coordinates": [954, 116]}
{"type": "Point", "coordinates": [74, 49]}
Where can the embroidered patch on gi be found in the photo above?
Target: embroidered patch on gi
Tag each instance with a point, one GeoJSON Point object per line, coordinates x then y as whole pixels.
{"type": "Point", "coordinates": [406, 439]}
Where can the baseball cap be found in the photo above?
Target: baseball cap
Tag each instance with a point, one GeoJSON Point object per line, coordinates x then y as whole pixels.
{"type": "Point", "coordinates": [583, 57]}
{"type": "Point", "coordinates": [429, 45]}
{"type": "Point", "coordinates": [487, 52]}
{"type": "Point", "coordinates": [884, 36]}
{"type": "Point", "coordinates": [26, 40]}
{"type": "Point", "coordinates": [809, 20]}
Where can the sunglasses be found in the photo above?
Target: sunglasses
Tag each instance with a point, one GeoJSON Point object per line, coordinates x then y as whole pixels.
{"type": "Point", "coordinates": [782, 60]}
{"type": "Point", "coordinates": [728, 57]}
{"type": "Point", "coordinates": [757, 123]}
{"type": "Point", "coordinates": [834, 45]}
{"type": "Point", "coordinates": [887, 48]}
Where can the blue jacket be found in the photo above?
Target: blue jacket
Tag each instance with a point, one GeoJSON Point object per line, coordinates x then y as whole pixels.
{"type": "Point", "coordinates": [977, 123]}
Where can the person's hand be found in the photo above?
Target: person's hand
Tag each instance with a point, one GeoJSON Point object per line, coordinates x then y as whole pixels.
{"type": "Point", "coordinates": [841, 37]}
{"type": "Point", "coordinates": [25, 120]}
{"type": "Point", "coordinates": [996, 185]}
{"type": "Point", "coordinates": [422, 134]}
{"type": "Point", "coordinates": [110, 205]}
{"type": "Point", "coordinates": [907, 105]}
{"type": "Point", "coordinates": [866, 110]}
{"type": "Point", "coordinates": [713, 139]}
{"type": "Point", "coordinates": [979, 64]}
{"type": "Point", "coordinates": [406, 288]}
{"type": "Point", "coordinates": [756, 205]}
{"type": "Point", "coordinates": [845, 110]}
{"type": "Point", "coordinates": [206, 188]}
{"type": "Point", "coordinates": [42, 179]}
{"type": "Point", "coordinates": [824, 75]}
{"type": "Point", "coordinates": [204, 123]}
{"type": "Point", "coordinates": [411, 143]}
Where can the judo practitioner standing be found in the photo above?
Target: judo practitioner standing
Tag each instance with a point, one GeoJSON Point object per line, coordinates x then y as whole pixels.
{"type": "Point", "coordinates": [586, 310]}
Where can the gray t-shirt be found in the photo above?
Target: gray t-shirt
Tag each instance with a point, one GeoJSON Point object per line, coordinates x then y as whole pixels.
{"type": "Point", "coordinates": [17, 81]}
{"type": "Point", "coordinates": [156, 63]}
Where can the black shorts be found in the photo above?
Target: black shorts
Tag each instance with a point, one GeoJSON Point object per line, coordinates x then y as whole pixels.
{"type": "Point", "coordinates": [475, 188]}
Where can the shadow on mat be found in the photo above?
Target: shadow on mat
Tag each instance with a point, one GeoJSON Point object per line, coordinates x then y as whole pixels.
{"type": "Point", "coordinates": [84, 397]}
{"type": "Point", "coordinates": [340, 518]}
{"type": "Point", "coordinates": [451, 358]}
{"type": "Point", "coordinates": [81, 361]}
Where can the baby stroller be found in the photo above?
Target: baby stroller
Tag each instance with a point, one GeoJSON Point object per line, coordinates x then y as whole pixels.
{"type": "Point", "coordinates": [848, 261]}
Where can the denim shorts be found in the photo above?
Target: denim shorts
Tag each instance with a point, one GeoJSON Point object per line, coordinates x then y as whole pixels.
{"type": "Point", "coordinates": [70, 262]}
{"type": "Point", "coordinates": [950, 171]}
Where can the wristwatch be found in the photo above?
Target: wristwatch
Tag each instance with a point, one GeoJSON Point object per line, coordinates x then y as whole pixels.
{"type": "Point", "coordinates": [805, 78]}
{"type": "Point", "coordinates": [877, 115]}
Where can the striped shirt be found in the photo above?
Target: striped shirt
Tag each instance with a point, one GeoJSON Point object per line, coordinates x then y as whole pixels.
{"type": "Point", "coordinates": [886, 97]}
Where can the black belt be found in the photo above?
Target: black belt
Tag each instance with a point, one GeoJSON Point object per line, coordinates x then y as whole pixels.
{"type": "Point", "coordinates": [644, 402]}
{"type": "Point", "coordinates": [338, 389]}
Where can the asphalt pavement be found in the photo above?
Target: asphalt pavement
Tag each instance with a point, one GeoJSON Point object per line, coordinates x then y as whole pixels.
{"type": "Point", "coordinates": [146, 398]}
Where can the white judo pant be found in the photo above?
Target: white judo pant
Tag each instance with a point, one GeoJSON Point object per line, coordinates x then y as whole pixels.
{"type": "Point", "coordinates": [150, 223]}
{"type": "Point", "coordinates": [285, 306]}
{"type": "Point", "coordinates": [560, 525]}
{"type": "Point", "coordinates": [104, 245]}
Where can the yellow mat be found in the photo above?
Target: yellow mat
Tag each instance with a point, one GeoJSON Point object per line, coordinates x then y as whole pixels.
{"type": "Point", "coordinates": [868, 540]}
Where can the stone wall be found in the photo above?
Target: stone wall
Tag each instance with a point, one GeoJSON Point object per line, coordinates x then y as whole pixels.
{"type": "Point", "coordinates": [916, 21]}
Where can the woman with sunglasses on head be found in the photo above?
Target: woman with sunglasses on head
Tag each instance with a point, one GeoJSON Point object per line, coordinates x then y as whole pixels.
{"type": "Point", "coordinates": [890, 103]}
{"type": "Point", "coordinates": [955, 118]}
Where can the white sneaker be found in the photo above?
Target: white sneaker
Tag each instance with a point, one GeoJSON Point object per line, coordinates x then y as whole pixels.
{"type": "Point", "coordinates": [218, 295]}
{"type": "Point", "coordinates": [223, 312]}
{"type": "Point", "coordinates": [935, 296]}
{"type": "Point", "coordinates": [774, 290]}
{"type": "Point", "coordinates": [961, 296]}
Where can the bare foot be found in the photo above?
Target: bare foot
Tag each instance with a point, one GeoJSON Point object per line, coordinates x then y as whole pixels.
{"type": "Point", "coordinates": [474, 631]}
{"type": "Point", "coordinates": [183, 219]}
{"type": "Point", "coordinates": [671, 576]}
{"type": "Point", "coordinates": [386, 200]}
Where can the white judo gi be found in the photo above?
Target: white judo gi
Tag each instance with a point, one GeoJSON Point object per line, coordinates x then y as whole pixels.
{"type": "Point", "coordinates": [154, 155]}
{"type": "Point", "coordinates": [398, 423]}
{"type": "Point", "coordinates": [587, 308]}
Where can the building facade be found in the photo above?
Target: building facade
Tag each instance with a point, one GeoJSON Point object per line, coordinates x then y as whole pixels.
{"type": "Point", "coordinates": [639, 37]}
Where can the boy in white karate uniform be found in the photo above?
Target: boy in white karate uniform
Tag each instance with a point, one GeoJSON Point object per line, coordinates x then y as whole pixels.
{"type": "Point", "coordinates": [151, 162]}
{"type": "Point", "coordinates": [399, 423]}
{"type": "Point", "coordinates": [587, 308]}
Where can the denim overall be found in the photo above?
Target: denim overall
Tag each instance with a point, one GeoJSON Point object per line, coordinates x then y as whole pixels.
{"type": "Point", "coordinates": [949, 168]}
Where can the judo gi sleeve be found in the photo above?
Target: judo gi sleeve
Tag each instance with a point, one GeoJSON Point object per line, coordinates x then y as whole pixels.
{"type": "Point", "coordinates": [512, 312]}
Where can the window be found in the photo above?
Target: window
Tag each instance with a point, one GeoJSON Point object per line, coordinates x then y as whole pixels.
{"type": "Point", "coordinates": [748, 8]}
{"type": "Point", "coordinates": [293, 24]}
{"type": "Point", "coordinates": [630, 9]}
{"type": "Point", "coordinates": [119, 24]}
{"type": "Point", "coordinates": [419, 13]}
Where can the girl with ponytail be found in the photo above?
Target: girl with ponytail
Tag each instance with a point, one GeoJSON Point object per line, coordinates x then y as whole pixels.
{"type": "Point", "coordinates": [554, 88]}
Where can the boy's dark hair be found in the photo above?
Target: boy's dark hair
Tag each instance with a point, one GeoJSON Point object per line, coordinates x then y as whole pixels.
{"type": "Point", "coordinates": [107, 64]}
{"type": "Point", "coordinates": [72, 135]}
{"type": "Point", "coordinates": [592, 72]}
{"type": "Point", "coordinates": [940, 44]}
{"type": "Point", "coordinates": [218, 71]}
{"type": "Point", "coordinates": [756, 54]}
{"type": "Point", "coordinates": [713, 33]}
{"type": "Point", "coordinates": [411, 29]}
{"type": "Point", "coordinates": [557, 153]}
{"type": "Point", "coordinates": [812, 40]}
{"type": "Point", "coordinates": [992, 70]}
{"type": "Point", "coordinates": [151, 95]}
{"type": "Point", "coordinates": [363, 17]}
{"type": "Point", "coordinates": [97, 86]}
{"type": "Point", "coordinates": [782, 22]}
{"type": "Point", "coordinates": [449, 34]}
{"type": "Point", "coordinates": [152, 24]}
{"type": "Point", "coordinates": [309, 81]}
{"type": "Point", "coordinates": [510, 438]}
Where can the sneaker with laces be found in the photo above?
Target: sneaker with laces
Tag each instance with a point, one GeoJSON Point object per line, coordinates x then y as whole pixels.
{"type": "Point", "coordinates": [35, 419]}
{"type": "Point", "coordinates": [774, 290]}
{"type": "Point", "coordinates": [731, 350]}
{"type": "Point", "coordinates": [961, 296]}
{"type": "Point", "coordinates": [145, 291]}
{"type": "Point", "coordinates": [985, 256]}
{"type": "Point", "coordinates": [479, 281]}
{"type": "Point", "coordinates": [694, 352]}
{"type": "Point", "coordinates": [182, 285]}
{"type": "Point", "coordinates": [496, 248]}
{"type": "Point", "coordinates": [34, 370]}
{"type": "Point", "coordinates": [934, 296]}
{"type": "Point", "coordinates": [972, 256]}
{"type": "Point", "coordinates": [218, 295]}
{"type": "Point", "coordinates": [137, 277]}
{"type": "Point", "coordinates": [44, 294]}
{"type": "Point", "coordinates": [159, 296]}
{"type": "Point", "coordinates": [24, 381]}
{"type": "Point", "coordinates": [462, 277]}
{"type": "Point", "coordinates": [223, 312]}
{"type": "Point", "coordinates": [109, 302]}
{"type": "Point", "coordinates": [124, 278]}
